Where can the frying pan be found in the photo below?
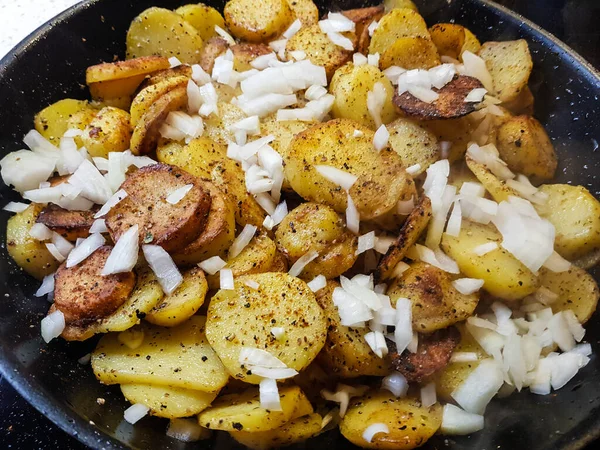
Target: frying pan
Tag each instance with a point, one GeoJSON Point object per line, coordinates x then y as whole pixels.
{"type": "Point", "coordinates": [50, 65]}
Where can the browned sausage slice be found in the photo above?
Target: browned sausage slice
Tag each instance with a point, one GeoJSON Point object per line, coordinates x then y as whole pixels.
{"type": "Point", "coordinates": [160, 222]}
{"type": "Point", "coordinates": [83, 294]}
{"type": "Point", "coordinates": [433, 354]}
{"type": "Point", "coordinates": [69, 224]}
{"type": "Point", "coordinates": [450, 104]}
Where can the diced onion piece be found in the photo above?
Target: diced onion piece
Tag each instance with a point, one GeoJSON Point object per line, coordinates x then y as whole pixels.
{"type": "Point", "coordinates": [135, 412]}
{"type": "Point", "coordinates": [373, 430]}
{"type": "Point", "coordinates": [99, 226]}
{"type": "Point", "coordinates": [366, 242]}
{"type": "Point", "coordinates": [93, 185]}
{"type": "Point", "coordinates": [372, 27]}
{"type": "Point", "coordinates": [252, 284]}
{"type": "Point", "coordinates": [317, 283]}
{"type": "Point", "coordinates": [455, 221]}
{"type": "Point", "coordinates": [353, 312]}
{"type": "Point", "coordinates": [177, 195]}
{"type": "Point", "coordinates": [561, 334]}
{"type": "Point", "coordinates": [315, 92]}
{"type": "Point", "coordinates": [565, 366]}
{"type": "Point", "coordinates": [376, 340]}
{"type": "Point", "coordinates": [292, 29]}
{"type": "Point", "coordinates": [373, 60]}
{"type": "Point", "coordinates": [242, 240]}
{"type": "Point", "coordinates": [40, 232]}
{"type": "Point", "coordinates": [185, 430]}
{"type": "Point", "coordinates": [89, 245]}
{"type": "Point", "coordinates": [352, 217]}
{"type": "Point", "coordinates": [414, 169]}
{"type": "Point", "coordinates": [278, 332]}
{"type": "Point", "coordinates": [212, 265]}
{"type": "Point", "coordinates": [264, 364]}
{"type": "Point", "coordinates": [163, 267]}
{"type": "Point", "coordinates": [395, 383]}
{"type": "Point", "coordinates": [15, 207]}
{"type": "Point", "coordinates": [467, 286]}
{"type": "Point", "coordinates": [475, 66]}
{"type": "Point", "coordinates": [302, 262]}
{"type": "Point", "coordinates": [557, 263]}
{"type": "Point", "coordinates": [112, 201]}
{"type": "Point", "coordinates": [337, 176]}
{"type": "Point", "coordinates": [124, 255]}
{"type": "Point", "coordinates": [459, 357]}
{"type": "Point", "coordinates": [437, 259]}
{"type": "Point", "coordinates": [483, 249]}
{"type": "Point", "coordinates": [53, 325]}
{"type": "Point", "coordinates": [62, 245]}
{"type": "Point", "coordinates": [380, 140]}
{"type": "Point", "coordinates": [225, 35]}
{"type": "Point", "coordinates": [476, 391]}
{"type": "Point", "coordinates": [476, 95]}
{"type": "Point", "coordinates": [226, 279]}
{"type": "Point", "coordinates": [428, 395]}
{"type": "Point", "coordinates": [575, 327]}
{"type": "Point", "coordinates": [455, 421]}
{"type": "Point", "coordinates": [358, 59]}
{"type": "Point", "coordinates": [25, 170]}
{"type": "Point", "coordinates": [54, 252]}
{"type": "Point", "coordinates": [403, 333]}
{"type": "Point", "coordinates": [266, 202]}
{"type": "Point", "coordinates": [280, 212]}
{"type": "Point", "coordinates": [375, 101]}
{"type": "Point", "coordinates": [269, 395]}
{"type": "Point", "coordinates": [343, 395]}
{"type": "Point", "coordinates": [174, 61]}
{"type": "Point", "coordinates": [46, 287]}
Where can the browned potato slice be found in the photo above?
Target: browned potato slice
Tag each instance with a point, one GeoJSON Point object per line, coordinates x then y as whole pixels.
{"type": "Point", "coordinates": [304, 10]}
{"type": "Point", "coordinates": [52, 121]}
{"type": "Point", "coordinates": [414, 143]}
{"type": "Point", "coordinates": [83, 294]}
{"type": "Point", "coordinates": [319, 49]}
{"type": "Point", "coordinates": [211, 50]}
{"type": "Point", "coordinates": [109, 131]}
{"type": "Point", "coordinates": [257, 20]}
{"type": "Point", "coordinates": [452, 39]}
{"type": "Point", "coordinates": [525, 146]}
{"type": "Point", "coordinates": [588, 260]}
{"type": "Point", "coordinates": [158, 31]}
{"type": "Point", "coordinates": [160, 223]}
{"type": "Point", "coordinates": [432, 355]}
{"type": "Point", "coordinates": [509, 64]}
{"type": "Point", "coordinates": [410, 53]}
{"type": "Point", "coordinates": [69, 224]}
{"type": "Point", "coordinates": [522, 104]}
{"type": "Point", "coordinates": [494, 185]}
{"type": "Point", "coordinates": [147, 131]}
{"type": "Point", "coordinates": [455, 131]}
{"type": "Point", "coordinates": [203, 18]}
{"type": "Point", "coordinates": [414, 226]}
{"type": "Point", "coordinates": [144, 100]}
{"type": "Point", "coordinates": [183, 70]}
{"type": "Point", "coordinates": [280, 263]}
{"type": "Point", "coordinates": [398, 23]}
{"type": "Point", "coordinates": [450, 104]}
{"type": "Point", "coordinates": [346, 353]}
{"type": "Point", "coordinates": [216, 126]}
{"type": "Point", "coordinates": [295, 431]}
{"type": "Point", "coordinates": [125, 69]}
{"type": "Point", "coordinates": [436, 304]}
{"type": "Point", "coordinates": [245, 53]}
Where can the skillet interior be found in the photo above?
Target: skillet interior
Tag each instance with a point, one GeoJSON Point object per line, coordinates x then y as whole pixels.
{"type": "Point", "coordinates": [50, 65]}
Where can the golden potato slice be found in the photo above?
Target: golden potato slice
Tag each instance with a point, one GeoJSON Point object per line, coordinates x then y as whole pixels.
{"type": "Point", "coordinates": [398, 23]}
{"type": "Point", "coordinates": [414, 143]}
{"type": "Point", "coordinates": [346, 353]}
{"type": "Point", "coordinates": [525, 146]}
{"type": "Point", "coordinates": [412, 229]}
{"type": "Point", "coordinates": [410, 424]}
{"type": "Point", "coordinates": [350, 85]}
{"type": "Point", "coordinates": [257, 20]}
{"type": "Point", "coordinates": [178, 357]}
{"type": "Point", "coordinates": [147, 131]}
{"type": "Point", "coordinates": [245, 53]}
{"type": "Point", "coordinates": [52, 121]}
{"type": "Point", "coordinates": [183, 303]}
{"type": "Point", "coordinates": [242, 412]}
{"type": "Point", "coordinates": [319, 49]}
{"type": "Point", "coordinates": [158, 31]}
{"type": "Point", "coordinates": [436, 304]}
{"type": "Point", "coordinates": [125, 69]}
{"type": "Point", "coordinates": [312, 226]}
{"type": "Point", "coordinates": [509, 64]}
{"type": "Point", "coordinates": [243, 317]}
{"type": "Point", "coordinates": [452, 39]}
{"type": "Point", "coordinates": [457, 132]}
{"type": "Point", "coordinates": [109, 131]}
{"type": "Point", "coordinates": [203, 18]}
{"type": "Point", "coordinates": [69, 224]}
{"type": "Point", "coordinates": [577, 290]}
{"type": "Point", "coordinates": [225, 93]}
{"type": "Point", "coordinates": [216, 126]}
{"type": "Point", "coordinates": [522, 104]}
{"type": "Point", "coordinates": [183, 70]}
{"type": "Point", "coordinates": [295, 431]}
{"type": "Point", "coordinates": [410, 53]}
{"type": "Point", "coordinates": [144, 100]}
{"type": "Point", "coordinates": [504, 276]}
{"type": "Point", "coordinates": [588, 260]}
{"type": "Point", "coordinates": [168, 402]}
{"type": "Point", "coordinates": [213, 48]}
{"type": "Point", "coordinates": [280, 263]}
{"type": "Point", "coordinates": [304, 10]}
{"type": "Point", "coordinates": [497, 188]}
{"type": "Point", "coordinates": [30, 254]}
{"type": "Point", "coordinates": [392, 4]}
{"type": "Point", "coordinates": [381, 178]}
{"type": "Point", "coordinates": [172, 226]}
{"type": "Point", "coordinates": [449, 105]}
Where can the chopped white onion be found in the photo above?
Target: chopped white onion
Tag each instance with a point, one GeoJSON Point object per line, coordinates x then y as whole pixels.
{"type": "Point", "coordinates": [269, 395]}
{"type": "Point", "coordinates": [40, 232]}
{"type": "Point", "coordinates": [476, 95]}
{"type": "Point", "coordinates": [163, 267]}
{"type": "Point", "coordinates": [15, 207]}
{"type": "Point", "coordinates": [92, 184]}
{"type": "Point", "coordinates": [25, 170]}
{"type": "Point", "coordinates": [124, 255]}
{"type": "Point", "coordinates": [185, 430]}
{"type": "Point", "coordinates": [460, 357]}
{"type": "Point", "coordinates": [99, 226]}
{"type": "Point", "coordinates": [89, 245]}
{"type": "Point", "coordinates": [395, 383]}
{"type": "Point", "coordinates": [62, 245]}
{"type": "Point", "coordinates": [174, 61]}
{"type": "Point", "coordinates": [475, 66]}
{"type": "Point", "coordinates": [366, 242]}
{"type": "Point", "coordinates": [561, 334]}
{"type": "Point", "coordinates": [343, 395]}
{"type": "Point", "coordinates": [46, 287]}
{"type": "Point", "coordinates": [428, 395]}
{"type": "Point", "coordinates": [480, 386]}
{"type": "Point", "coordinates": [225, 35]}
{"type": "Point", "coordinates": [380, 139]}
{"type": "Point", "coordinates": [112, 201]}
{"type": "Point", "coordinates": [264, 364]}
{"type": "Point", "coordinates": [557, 263]}
{"type": "Point", "coordinates": [317, 283]}
{"type": "Point", "coordinates": [226, 280]}
{"type": "Point", "coordinates": [455, 221]}
{"type": "Point", "coordinates": [352, 217]}
{"type": "Point", "coordinates": [135, 412]}
{"type": "Point", "coordinates": [177, 195]}
{"type": "Point", "coordinates": [483, 249]}
{"type": "Point", "coordinates": [373, 430]}
{"type": "Point", "coordinates": [54, 252]}
{"type": "Point", "coordinates": [455, 421]}
{"type": "Point", "coordinates": [337, 176]}
{"type": "Point", "coordinates": [212, 265]}
{"type": "Point", "coordinates": [403, 333]}
{"type": "Point", "coordinates": [358, 59]}
{"type": "Point", "coordinates": [437, 259]}
{"type": "Point", "coordinates": [376, 341]}
{"type": "Point", "coordinates": [302, 262]}
{"type": "Point", "coordinates": [53, 325]}
{"type": "Point", "coordinates": [242, 240]}
{"type": "Point", "coordinates": [375, 102]}
{"type": "Point", "coordinates": [467, 286]}
{"type": "Point", "coordinates": [292, 29]}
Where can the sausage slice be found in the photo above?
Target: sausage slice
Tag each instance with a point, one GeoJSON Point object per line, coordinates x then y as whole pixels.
{"type": "Point", "coordinates": [69, 224]}
{"type": "Point", "coordinates": [160, 222]}
{"type": "Point", "coordinates": [83, 294]}
{"type": "Point", "coordinates": [433, 354]}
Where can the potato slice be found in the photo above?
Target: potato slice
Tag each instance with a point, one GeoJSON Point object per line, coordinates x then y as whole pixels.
{"type": "Point", "coordinates": [183, 303]}
{"type": "Point", "coordinates": [393, 4]}
{"type": "Point", "coordinates": [178, 357]}
{"type": "Point", "coordinates": [504, 276]}
{"type": "Point", "coordinates": [526, 148]}
{"type": "Point", "coordinates": [144, 100]}
{"type": "Point", "coordinates": [158, 31]}
{"type": "Point", "coordinates": [412, 229]}
{"type": "Point", "coordinates": [69, 224]}
{"type": "Point", "coordinates": [203, 18]}
{"type": "Point", "coordinates": [452, 39]}
{"type": "Point", "coordinates": [509, 64]}
{"type": "Point", "coordinates": [381, 182]}
{"type": "Point", "coordinates": [109, 131]}
{"type": "Point", "coordinates": [522, 104]}
{"type": "Point", "coordinates": [497, 188]}
{"type": "Point", "coordinates": [168, 402]}
{"type": "Point", "coordinates": [398, 23]}
{"type": "Point", "coordinates": [183, 70]}
{"type": "Point", "coordinates": [243, 317]}
{"type": "Point", "coordinates": [257, 20]}
{"type": "Point", "coordinates": [245, 53]}
{"type": "Point", "coordinates": [217, 127]}
{"type": "Point", "coordinates": [295, 431]}
{"type": "Point", "coordinates": [449, 105]}
{"type": "Point", "coordinates": [346, 353]}
{"type": "Point", "coordinates": [577, 290]}
{"type": "Point", "coordinates": [211, 50]}
{"type": "Point", "coordinates": [457, 132]}
{"type": "Point", "coordinates": [410, 424]}
{"type": "Point", "coordinates": [350, 85]}
{"type": "Point", "coordinates": [414, 143]}
{"type": "Point", "coordinates": [242, 412]}
{"type": "Point", "coordinates": [30, 254]}
{"type": "Point", "coordinates": [52, 121]}
{"type": "Point", "coordinates": [280, 263]}
{"type": "Point", "coordinates": [410, 53]}
{"type": "Point", "coordinates": [304, 10]}
{"type": "Point", "coordinates": [147, 131]}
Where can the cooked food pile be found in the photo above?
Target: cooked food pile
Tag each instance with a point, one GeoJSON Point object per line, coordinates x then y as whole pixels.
{"type": "Point", "coordinates": [282, 224]}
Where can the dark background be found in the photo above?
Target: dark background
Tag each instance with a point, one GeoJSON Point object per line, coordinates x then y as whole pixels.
{"type": "Point", "coordinates": [572, 21]}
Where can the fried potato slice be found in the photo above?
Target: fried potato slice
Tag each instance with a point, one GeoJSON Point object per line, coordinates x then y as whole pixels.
{"type": "Point", "coordinates": [245, 53]}
{"type": "Point", "coordinates": [452, 39]}
{"type": "Point", "coordinates": [497, 188]}
{"type": "Point", "coordinates": [149, 95]}
{"type": "Point", "coordinates": [243, 317]}
{"type": "Point", "coordinates": [257, 20]}
{"type": "Point", "coordinates": [109, 131]}
{"type": "Point", "coordinates": [203, 18]}
{"type": "Point", "coordinates": [414, 143]}
{"type": "Point", "coordinates": [457, 132]}
{"type": "Point", "coordinates": [178, 357]}
{"type": "Point", "coordinates": [398, 23]}
{"type": "Point", "coordinates": [160, 222]}
{"type": "Point", "coordinates": [212, 49]}
{"type": "Point", "coordinates": [410, 53]}
{"type": "Point", "coordinates": [304, 10]}
{"type": "Point", "coordinates": [412, 229]}
{"type": "Point", "coordinates": [147, 131]}
{"type": "Point", "coordinates": [449, 105]}
{"type": "Point", "coordinates": [52, 121]}
{"type": "Point", "coordinates": [217, 127]}
{"type": "Point", "coordinates": [125, 69]}
{"type": "Point", "coordinates": [292, 432]}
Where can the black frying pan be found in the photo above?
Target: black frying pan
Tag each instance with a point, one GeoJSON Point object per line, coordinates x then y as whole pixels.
{"type": "Point", "coordinates": [50, 65]}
